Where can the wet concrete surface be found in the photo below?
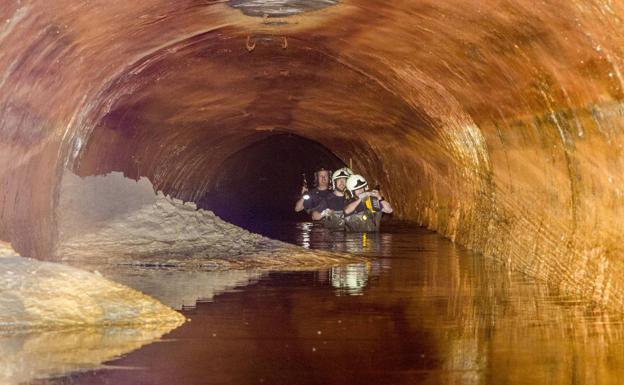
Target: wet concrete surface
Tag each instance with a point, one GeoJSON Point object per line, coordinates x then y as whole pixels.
{"type": "Point", "coordinates": [422, 311]}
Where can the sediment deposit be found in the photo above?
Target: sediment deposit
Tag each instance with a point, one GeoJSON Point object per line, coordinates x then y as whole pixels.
{"type": "Point", "coordinates": [164, 247]}
{"type": "Point", "coordinates": [44, 295]}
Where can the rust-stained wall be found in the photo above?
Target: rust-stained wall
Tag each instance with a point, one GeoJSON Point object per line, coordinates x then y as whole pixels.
{"type": "Point", "coordinates": [496, 123]}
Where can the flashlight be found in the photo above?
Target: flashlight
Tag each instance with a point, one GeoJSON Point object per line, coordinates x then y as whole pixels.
{"type": "Point", "coordinates": [306, 197]}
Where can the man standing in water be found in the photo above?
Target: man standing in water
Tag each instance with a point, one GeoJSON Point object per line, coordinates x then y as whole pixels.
{"type": "Point", "coordinates": [364, 211]}
{"type": "Point", "coordinates": [335, 202]}
{"type": "Point", "coordinates": [312, 199]}
{"type": "Point", "coordinates": [358, 187]}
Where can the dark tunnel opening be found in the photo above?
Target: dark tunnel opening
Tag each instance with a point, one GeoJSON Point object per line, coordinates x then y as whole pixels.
{"type": "Point", "coordinates": [262, 181]}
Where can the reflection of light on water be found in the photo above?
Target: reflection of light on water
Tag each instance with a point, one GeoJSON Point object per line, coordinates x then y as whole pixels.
{"type": "Point", "coordinates": [366, 243]}
{"type": "Point", "coordinates": [305, 228]}
{"type": "Point", "coordinates": [466, 359]}
{"type": "Point", "coordinates": [36, 355]}
{"type": "Point", "coordinates": [350, 279]}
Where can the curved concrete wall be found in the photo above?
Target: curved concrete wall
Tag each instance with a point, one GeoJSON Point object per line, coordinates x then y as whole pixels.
{"type": "Point", "coordinates": [496, 123]}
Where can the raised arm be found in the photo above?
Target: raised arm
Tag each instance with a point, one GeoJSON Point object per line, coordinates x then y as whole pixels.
{"type": "Point", "coordinates": [351, 206]}
{"type": "Point", "coordinates": [386, 207]}
{"type": "Point", "coordinates": [299, 204]}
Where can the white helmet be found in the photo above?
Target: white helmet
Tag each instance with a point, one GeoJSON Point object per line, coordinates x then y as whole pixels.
{"type": "Point", "coordinates": [344, 172]}
{"type": "Point", "coordinates": [355, 182]}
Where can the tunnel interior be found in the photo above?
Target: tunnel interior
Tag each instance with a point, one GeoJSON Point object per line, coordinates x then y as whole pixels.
{"type": "Point", "coordinates": [262, 181]}
{"type": "Point", "coordinates": [238, 143]}
{"type": "Point", "coordinates": [497, 126]}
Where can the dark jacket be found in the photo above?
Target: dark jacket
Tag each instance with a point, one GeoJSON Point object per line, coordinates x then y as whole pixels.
{"type": "Point", "coordinates": [317, 199]}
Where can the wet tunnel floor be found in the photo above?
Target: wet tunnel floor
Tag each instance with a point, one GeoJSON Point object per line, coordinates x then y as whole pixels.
{"type": "Point", "coordinates": [421, 312]}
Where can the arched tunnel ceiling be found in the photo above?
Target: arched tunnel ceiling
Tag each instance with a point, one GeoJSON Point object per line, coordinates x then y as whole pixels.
{"type": "Point", "coordinates": [494, 122]}
{"type": "Point", "coordinates": [178, 109]}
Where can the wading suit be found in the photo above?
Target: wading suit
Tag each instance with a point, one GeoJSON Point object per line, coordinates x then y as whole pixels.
{"type": "Point", "coordinates": [364, 218]}
{"type": "Point", "coordinates": [336, 219]}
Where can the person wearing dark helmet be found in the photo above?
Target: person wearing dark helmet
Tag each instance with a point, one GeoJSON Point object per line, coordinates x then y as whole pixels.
{"type": "Point", "coordinates": [364, 211]}
{"type": "Point", "coordinates": [312, 200]}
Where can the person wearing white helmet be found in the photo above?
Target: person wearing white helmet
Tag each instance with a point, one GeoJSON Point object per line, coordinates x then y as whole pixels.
{"type": "Point", "coordinates": [339, 177]}
{"type": "Point", "coordinates": [334, 203]}
{"type": "Point", "coordinates": [364, 200]}
{"type": "Point", "coordinates": [311, 199]}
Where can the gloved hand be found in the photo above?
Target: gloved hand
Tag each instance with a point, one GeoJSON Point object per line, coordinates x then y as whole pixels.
{"type": "Point", "coordinates": [375, 194]}
{"type": "Point", "coordinates": [364, 195]}
{"type": "Point", "coordinates": [325, 213]}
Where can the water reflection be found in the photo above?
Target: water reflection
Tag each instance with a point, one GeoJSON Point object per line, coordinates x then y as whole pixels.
{"type": "Point", "coordinates": [25, 357]}
{"type": "Point", "coordinates": [424, 312]}
{"type": "Point", "coordinates": [349, 279]}
{"type": "Point", "coordinates": [304, 229]}
{"type": "Point", "coordinates": [314, 236]}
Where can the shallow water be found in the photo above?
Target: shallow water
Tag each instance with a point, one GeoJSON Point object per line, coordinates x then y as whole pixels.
{"type": "Point", "coordinates": [421, 311]}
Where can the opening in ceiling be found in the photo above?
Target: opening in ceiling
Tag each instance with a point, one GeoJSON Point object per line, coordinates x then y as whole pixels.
{"type": "Point", "coordinates": [279, 8]}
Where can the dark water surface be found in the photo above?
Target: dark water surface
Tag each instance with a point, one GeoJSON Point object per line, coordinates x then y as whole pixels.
{"type": "Point", "coordinates": [423, 311]}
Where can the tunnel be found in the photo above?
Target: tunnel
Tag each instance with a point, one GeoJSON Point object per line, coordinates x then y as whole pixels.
{"type": "Point", "coordinates": [254, 184]}
{"type": "Point", "coordinates": [496, 124]}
